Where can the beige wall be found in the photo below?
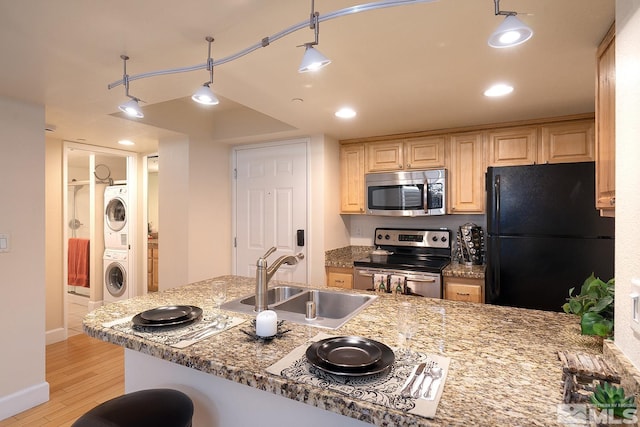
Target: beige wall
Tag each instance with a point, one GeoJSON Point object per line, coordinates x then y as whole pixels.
{"type": "Point", "coordinates": [54, 242]}
{"type": "Point", "coordinates": [22, 282]}
{"type": "Point", "coordinates": [195, 210]}
{"type": "Point", "coordinates": [627, 171]}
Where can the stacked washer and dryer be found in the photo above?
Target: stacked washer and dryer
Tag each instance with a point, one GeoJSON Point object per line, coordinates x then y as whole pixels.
{"type": "Point", "coordinates": [116, 242]}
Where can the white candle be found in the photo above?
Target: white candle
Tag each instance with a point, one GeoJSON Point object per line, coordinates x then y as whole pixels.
{"type": "Point", "coordinates": [267, 323]}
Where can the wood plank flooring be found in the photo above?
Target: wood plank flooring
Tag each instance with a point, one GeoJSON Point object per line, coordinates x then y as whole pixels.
{"type": "Point", "coordinates": [82, 372]}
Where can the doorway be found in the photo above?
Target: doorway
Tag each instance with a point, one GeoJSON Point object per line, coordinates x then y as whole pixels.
{"type": "Point", "coordinates": [271, 206]}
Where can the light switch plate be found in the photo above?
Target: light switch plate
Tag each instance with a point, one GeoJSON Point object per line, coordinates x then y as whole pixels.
{"type": "Point", "coordinates": [4, 242]}
{"type": "Point", "coordinates": [635, 305]}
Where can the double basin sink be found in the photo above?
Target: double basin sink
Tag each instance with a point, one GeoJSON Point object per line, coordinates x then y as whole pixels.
{"type": "Point", "coordinates": [333, 309]}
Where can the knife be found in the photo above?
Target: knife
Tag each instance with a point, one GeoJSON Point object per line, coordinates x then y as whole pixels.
{"type": "Point", "coordinates": [406, 391]}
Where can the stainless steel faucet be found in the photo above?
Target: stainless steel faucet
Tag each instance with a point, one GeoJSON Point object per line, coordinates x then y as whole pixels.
{"type": "Point", "coordinates": [264, 274]}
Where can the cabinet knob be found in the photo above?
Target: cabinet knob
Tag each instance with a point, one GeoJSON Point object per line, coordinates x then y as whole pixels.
{"type": "Point", "coordinates": [408, 165]}
{"type": "Point", "coordinates": [612, 201]}
{"type": "Point", "coordinates": [399, 166]}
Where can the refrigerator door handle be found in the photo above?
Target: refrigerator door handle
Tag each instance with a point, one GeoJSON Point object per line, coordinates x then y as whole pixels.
{"type": "Point", "coordinates": [496, 202]}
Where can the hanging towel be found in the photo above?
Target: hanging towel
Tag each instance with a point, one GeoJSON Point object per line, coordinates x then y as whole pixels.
{"type": "Point", "coordinates": [380, 282]}
{"type": "Point", "coordinates": [78, 262]}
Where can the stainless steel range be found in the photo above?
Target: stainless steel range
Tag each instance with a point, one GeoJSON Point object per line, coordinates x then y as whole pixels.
{"type": "Point", "coordinates": [406, 260]}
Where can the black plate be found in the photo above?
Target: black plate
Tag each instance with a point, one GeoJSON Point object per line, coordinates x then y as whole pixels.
{"type": "Point", "coordinates": [167, 314]}
{"type": "Point", "coordinates": [386, 360]}
{"type": "Point", "coordinates": [349, 352]}
{"type": "Point", "coordinates": [195, 313]}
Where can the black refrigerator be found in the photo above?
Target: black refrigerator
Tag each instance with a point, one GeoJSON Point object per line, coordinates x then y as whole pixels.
{"type": "Point", "coordinates": [544, 235]}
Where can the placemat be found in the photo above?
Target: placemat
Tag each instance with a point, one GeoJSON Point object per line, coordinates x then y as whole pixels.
{"type": "Point", "coordinates": [382, 389]}
{"type": "Point", "coordinates": [174, 336]}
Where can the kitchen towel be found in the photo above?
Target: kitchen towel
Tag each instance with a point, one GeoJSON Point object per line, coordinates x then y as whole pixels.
{"type": "Point", "coordinates": [382, 389]}
{"type": "Point", "coordinates": [380, 282]}
{"type": "Point", "coordinates": [175, 336]}
{"type": "Point", "coordinates": [396, 283]}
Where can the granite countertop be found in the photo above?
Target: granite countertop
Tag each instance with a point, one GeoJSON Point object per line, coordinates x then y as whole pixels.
{"type": "Point", "coordinates": [504, 366]}
{"type": "Point", "coordinates": [467, 271]}
{"type": "Point", "coordinates": [344, 257]}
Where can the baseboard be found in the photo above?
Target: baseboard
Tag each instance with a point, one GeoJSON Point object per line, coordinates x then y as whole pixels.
{"type": "Point", "coordinates": [55, 335]}
{"type": "Point", "coordinates": [24, 399]}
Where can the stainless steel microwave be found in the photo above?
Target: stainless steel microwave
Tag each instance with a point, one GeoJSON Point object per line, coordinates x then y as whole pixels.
{"type": "Point", "coordinates": [414, 193]}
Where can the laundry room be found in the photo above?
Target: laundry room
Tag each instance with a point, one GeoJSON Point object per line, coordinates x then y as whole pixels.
{"type": "Point", "coordinates": [97, 219]}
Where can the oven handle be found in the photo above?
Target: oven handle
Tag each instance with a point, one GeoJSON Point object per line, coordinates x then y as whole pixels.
{"type": "Point", "coordinates": [362, 273]}
{"type": "Point", "coordinates": [430, 280]}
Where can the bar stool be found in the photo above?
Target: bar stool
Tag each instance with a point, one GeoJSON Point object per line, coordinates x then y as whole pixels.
{"type": "Point", "coordinates": [145, 408]}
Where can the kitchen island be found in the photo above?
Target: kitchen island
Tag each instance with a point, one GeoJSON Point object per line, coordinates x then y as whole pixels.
{"type": "Point", "coordinates": [504, 366]}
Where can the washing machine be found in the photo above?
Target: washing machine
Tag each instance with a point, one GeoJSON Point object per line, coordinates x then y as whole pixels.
{"type": "Point", "coordinates": [116, 228]}
{"type": "Point", "coordinates": [116, 272]}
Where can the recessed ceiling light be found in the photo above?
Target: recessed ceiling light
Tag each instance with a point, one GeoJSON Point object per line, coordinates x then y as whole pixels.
{"type": "Point", "coordinates": [126, 142]}
{"type": "Point", "coordinates": [500, 89]}
{"type": "Point", "coordinates": [346, 113]}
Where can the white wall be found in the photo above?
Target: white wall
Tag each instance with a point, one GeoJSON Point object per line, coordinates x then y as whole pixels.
{"type": "Point", "coordinates": [627, 171]}
{"type": "Point", "coordinates": [22, 282]}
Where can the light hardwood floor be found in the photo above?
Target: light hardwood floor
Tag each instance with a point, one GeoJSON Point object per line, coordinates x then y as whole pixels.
{"type": "Point", "coordinates": [82, 372]}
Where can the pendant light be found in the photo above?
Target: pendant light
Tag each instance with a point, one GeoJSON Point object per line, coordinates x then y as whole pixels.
{"type": "Point", "coordinates": [511, 32]}
{"type": "Point", "coordinates": [204, 95]}
{"type": "Point", "coordinates": [313, 60]}
{"type": "Point", "coordinates": [131, 107]}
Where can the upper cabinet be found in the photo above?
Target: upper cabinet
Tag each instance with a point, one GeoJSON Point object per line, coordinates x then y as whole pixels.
{"type": "Point", "coordinates": [466, 173]}
{"type": "Point", "coordinates": [406, 154]}
{"type": "Point", "coordinates": [567, 142]}
{"type": "Point", "coordinates": [352, 178]}
{"type": "Point", "coordinates": [605, 125]}
{"type": "Point", "coordinates": [512, 146]}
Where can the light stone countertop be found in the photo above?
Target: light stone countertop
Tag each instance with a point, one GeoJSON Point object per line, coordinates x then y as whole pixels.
{"type": "Point", "coordinates": [504, 366]}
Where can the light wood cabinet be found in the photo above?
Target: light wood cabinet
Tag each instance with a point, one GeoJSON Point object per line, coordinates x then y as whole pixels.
{"type": "Point", "coordinates": [339, 277]}
{"type": "Point", "coordinates": [464, 289]}
{"type": "Point", "coordinates": [385, 156]}
{"type": "Point", "coordinates": [352, 178]}
{"type": "Point", "coordinates": [466, 173]}
{"type": "Point", "coordinates": [512, 146]}
{"type": "Point", "coordinates": [567, 142]}
{"type": "Point", "coordinates": [425, 153]}
{"type": "Point", "coordinates": [605, 125]}
{"type": "Point", "coordinates": [152, 269]}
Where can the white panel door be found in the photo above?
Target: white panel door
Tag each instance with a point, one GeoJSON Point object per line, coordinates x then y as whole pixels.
{"type": "Point", "coordinates": [271, 206]}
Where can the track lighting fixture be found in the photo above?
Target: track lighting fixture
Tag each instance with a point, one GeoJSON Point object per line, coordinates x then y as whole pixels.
{"type": "Point", "coordinates": [204, 94]}
{"type": "Point", "coordinates": [511, 32]}
{"type": "Point", "coordinates": [313, 60]}
{"type": "Point", "coordinates": [130, 107]}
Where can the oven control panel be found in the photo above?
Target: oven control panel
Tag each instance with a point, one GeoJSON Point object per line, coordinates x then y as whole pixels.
{"type": "Point", "coordinates": [436, 238]}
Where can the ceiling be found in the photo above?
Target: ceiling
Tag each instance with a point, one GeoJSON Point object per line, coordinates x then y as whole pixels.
{"type": "Point", "coordinates": [404, 69]}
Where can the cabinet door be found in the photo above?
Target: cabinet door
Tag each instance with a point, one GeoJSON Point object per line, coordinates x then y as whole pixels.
{"type": "Point", "coordinates": [385, 156]}
{"type": "Point", "coordinates": [605, 125]}
{"type": "Point", "coordinates": [340, 277]}
{"type": "Point", "coordinates": [424, 153]}
{"type": "Point", "coordinates": [466, 182]}
{"type": "Point", "coordinates": [352, 178]}
{"type": "Point", "coordinates": [568, 142]}
{"type": "Point", "coordinates": [463, 289]}
{"type": "Point", "coordinates": [513, 147]}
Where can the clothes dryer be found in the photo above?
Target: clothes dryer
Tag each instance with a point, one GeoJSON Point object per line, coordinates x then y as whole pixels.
{"type": "Point", "coordinates": [116, 224]}
{"type": "Point", "coordinates": [116, 273]}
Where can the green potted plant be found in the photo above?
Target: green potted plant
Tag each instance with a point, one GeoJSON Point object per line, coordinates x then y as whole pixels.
{"type": "Point", "coordinates": [612, 400]}
{"type": "Point", "coordinates": [594, 304]}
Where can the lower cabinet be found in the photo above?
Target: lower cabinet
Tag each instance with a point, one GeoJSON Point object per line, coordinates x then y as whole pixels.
{"type": "Point", "coordinates": [152, 269]}
{"type": "Point", "coordinates": [339, 277]}
{"type": "Point", "coordinates": [464, 289]}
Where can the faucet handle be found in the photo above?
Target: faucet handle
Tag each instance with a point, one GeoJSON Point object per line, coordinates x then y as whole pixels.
{"type": "Point", "coordinates": [269, 252]}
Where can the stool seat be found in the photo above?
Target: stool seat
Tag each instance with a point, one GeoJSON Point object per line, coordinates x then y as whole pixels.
{"type": "Point", "coordinates": [145, 408]}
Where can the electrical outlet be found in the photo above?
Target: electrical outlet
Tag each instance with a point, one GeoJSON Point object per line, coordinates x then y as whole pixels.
{"type": "Point", "coordinates": [635, 305]}
{"type": "Point", "coordinates": [4, 242]}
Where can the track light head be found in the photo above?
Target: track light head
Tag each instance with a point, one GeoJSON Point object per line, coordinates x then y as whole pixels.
{"type": "Point", "coordinates": [511, 32]}
{"type": "Point", "coordinates": [204, 95]}
{"type": "Point", "coordinates": [312, 59]}
{"type": "Point", "coordinates": [132, 108]}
